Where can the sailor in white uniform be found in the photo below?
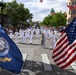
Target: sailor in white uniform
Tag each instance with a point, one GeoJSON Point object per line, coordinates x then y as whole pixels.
{"type": "Point", "coordinates": [23, 37]}
{"type": "Point", "coordinates": [31, 35]}
{"type": "Point", "coordinates": [20, 33]}
{"type": "Point", "coordinates": [37, 32]}
{"type": "Point", "coordinates": [53, 39]}
{"type": "Point", "coordinates": [28, 33]}
{"type": "Point", "coordinates": [10, 33]}
{"type": "Point", "coordinates": [16, 34]}
{"type": "Point", "coordinates": [46, 33]}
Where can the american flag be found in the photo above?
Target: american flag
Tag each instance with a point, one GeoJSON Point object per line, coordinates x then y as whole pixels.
{"type": "Point", "coordinates": [64, 52]}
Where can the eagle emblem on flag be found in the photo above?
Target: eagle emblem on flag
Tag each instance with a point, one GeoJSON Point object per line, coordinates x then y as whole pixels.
{"type": "Point", "coordinates": [4, 47]}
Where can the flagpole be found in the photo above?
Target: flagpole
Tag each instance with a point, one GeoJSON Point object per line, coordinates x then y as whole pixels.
{"type": "Point", "coordinates": [1, 21]}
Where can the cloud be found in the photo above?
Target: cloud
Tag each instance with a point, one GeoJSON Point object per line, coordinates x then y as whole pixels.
{"type": "Point", "coordinates": [62, 1]}
{"type": "Point", "coordinates": [7, 0]}
{"type": "Point", "coordinates": [40, 10]}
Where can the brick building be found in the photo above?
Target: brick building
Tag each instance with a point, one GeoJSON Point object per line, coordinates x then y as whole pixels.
{"type": "Point", "coordinates": [71, 10]}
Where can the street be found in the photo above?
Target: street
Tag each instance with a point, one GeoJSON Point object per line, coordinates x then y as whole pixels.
{"type": "Point", "coordinates": [38, 60]}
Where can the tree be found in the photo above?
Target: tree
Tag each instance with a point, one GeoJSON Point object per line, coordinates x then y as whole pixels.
{"type": "Point", "coordinates": [57, 19]}
{"type": "Point", "coordinates": [17, 12]}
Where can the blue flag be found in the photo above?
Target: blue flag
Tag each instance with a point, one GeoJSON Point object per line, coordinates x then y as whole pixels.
{"type": "Point", "coordinates": [10, 55]}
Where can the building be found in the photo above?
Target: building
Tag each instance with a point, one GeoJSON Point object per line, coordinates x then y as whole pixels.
{"type": "Point", "coordinates": [71, 10]}
{"type": "Point", "coordinates": [52, 12]}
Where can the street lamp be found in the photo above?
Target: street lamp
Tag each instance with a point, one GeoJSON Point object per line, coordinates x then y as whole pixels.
{"type": "Point", "coordinates": [1, 11]}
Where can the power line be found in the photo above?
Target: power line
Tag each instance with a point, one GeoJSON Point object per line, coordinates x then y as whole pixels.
{"type": "Point", "coordinates": [49, 9]}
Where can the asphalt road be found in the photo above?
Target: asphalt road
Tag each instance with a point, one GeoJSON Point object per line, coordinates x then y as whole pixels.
{"type": "Point", "coordinates": [33, 63]}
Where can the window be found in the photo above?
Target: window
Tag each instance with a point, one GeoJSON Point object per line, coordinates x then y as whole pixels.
{"type": "Point", "coordinates": [73, 3]}
{"type": "Point", "coordinates": [73, 11]}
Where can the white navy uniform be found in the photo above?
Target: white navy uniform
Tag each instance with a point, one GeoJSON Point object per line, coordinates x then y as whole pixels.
{"type": "Point", "coordinates": [53, 39]}
{"type": "Point", "coordinates": [23, 37]}
{"type": "Point", "coordinates": [37, 32]}
{"type": "Point", "coordinates": [46, 34]}
{"type": "Point", "coordinates": [16, 37]}
{"type": "Point", "coordinates": [10, 33]}
{"type": "Point", "coordinates": [31, 35]}
{"type": "Point", "coordinates": [20, 33]}
{"type": "Point", "coordinates": [28, 33]}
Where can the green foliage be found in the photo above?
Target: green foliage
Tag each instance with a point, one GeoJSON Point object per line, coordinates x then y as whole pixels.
{"type": "Point", "coordinates": [47, 19]}
{"type": "Point", "coordinates": [57, 19]}
{"type": "Point", "coordinates": [2, 6]}
{"type": "Point", "coordinates": [17, 13]}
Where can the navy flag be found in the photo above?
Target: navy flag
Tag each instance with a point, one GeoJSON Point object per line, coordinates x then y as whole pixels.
{"type": "Point", "coordinates": [10, 56]}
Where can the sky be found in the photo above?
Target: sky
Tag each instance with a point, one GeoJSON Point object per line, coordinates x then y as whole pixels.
{"type": "Point", "coordinates": [42, 9]}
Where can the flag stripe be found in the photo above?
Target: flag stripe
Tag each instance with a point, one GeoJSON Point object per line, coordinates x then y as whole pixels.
{"type": "Point", "coordinates": [59, 50]}
{"type": "Point", "coordinates": [69, 61]}
{"type": "Point", "coordinates": [67, 50]}
{"type": "Point", "coordinates": [60, 43]}
{"type": "Point", "coordinates": [60, 46]}
{"type": "Point", "coordinates": [64, 56]}
{"type": "Point", "coordinates": [61, 38]}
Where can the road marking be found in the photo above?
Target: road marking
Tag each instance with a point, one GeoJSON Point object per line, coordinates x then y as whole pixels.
{"type": "Point", "coordinates": [29, 58]}
{"type": "Point", "coordinates": [46, 62]}
{"type": "Point", "coordinates": [29, 52]}
{"type": "Point", "coordinates": [24, 57]}
{"type": "Point", "coordinates": [73, 65]}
